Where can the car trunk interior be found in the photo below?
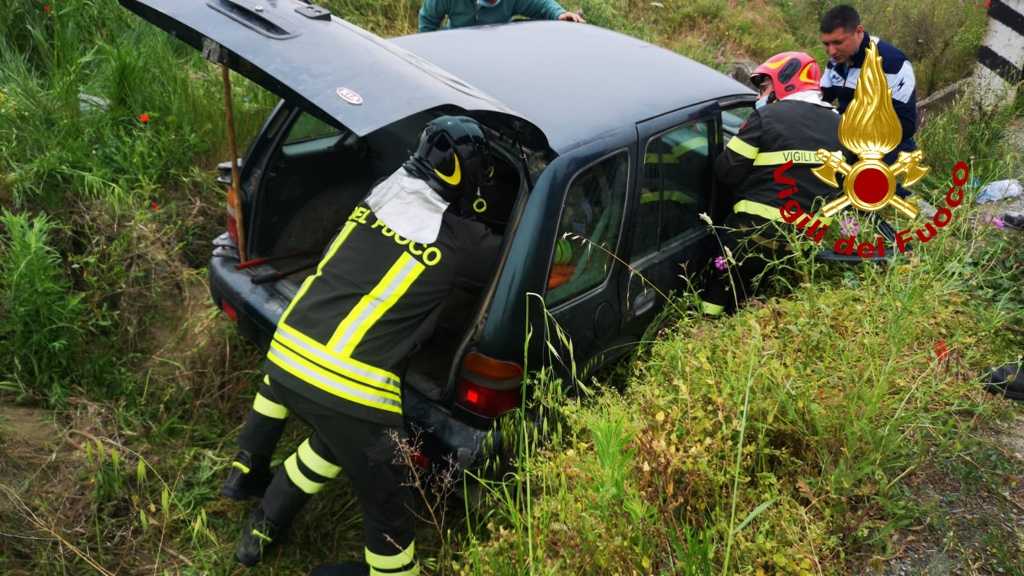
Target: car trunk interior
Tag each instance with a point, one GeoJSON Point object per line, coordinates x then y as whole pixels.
{"type": "Point", "coordinates": [311, 184]}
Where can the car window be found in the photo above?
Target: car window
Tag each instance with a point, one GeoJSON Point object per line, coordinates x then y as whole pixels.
{"type": "Point", "coordinates": [733, 118]}
{"type": "Point", "coordinates": [588, 231]}
{"type": "Point", "coordinates": [308, 127]}
{"type": "Point", "coordinates": [675, 187]}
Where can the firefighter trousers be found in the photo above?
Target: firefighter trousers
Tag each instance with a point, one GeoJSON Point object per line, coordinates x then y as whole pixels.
{"type": "Point", "coordinates": [369, 455]}
{"type": "Point", "coordinates": [754, 245]}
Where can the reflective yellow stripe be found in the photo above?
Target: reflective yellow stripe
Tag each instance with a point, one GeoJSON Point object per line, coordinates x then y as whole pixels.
{"type": "Point", "coordinates": [769, 212]}
{"type": "Point", "coordinates": [316, 462]}
{"type": "Point", "coordinates": [678, 151]}
{"type": "Point", "coordinates": [245, 469]}
{"type": "Point", "coordinates": [757, 209]}
{"type": "Point", "coordinates": [332, 383]}
{"type": "Point", "coordinates": [395, 562]}
{"type": "Point", "coordinates": [414, 571]}
{"type": "Point", "coordinates": [345, 231]}
{"type": "Point", "coordinates": [711, 309]}
{"type": "Point", "coordinates": [371, 307]}
{"type": "Point", "coordinates": [267, 407]}
{"type": "Point", "coordinates": [669, 196]}
{"type": "Point", "coordinates": [360, 371]}
{"type": "Point", "coordinates": [783, 156]}
{"type": "Point", "coordinates": [291, 467]}
{"type": "Point", "coordinates": [348, 367]}
{"type": "Point", "coordinates": [742, 148]}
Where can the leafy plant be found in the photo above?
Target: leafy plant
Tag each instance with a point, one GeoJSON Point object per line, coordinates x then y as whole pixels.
{"type": "Point", "coordinates": [42, 328]}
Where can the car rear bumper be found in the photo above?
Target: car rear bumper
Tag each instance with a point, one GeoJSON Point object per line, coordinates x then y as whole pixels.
{"type": "Point", "coordinates": [259, 306]}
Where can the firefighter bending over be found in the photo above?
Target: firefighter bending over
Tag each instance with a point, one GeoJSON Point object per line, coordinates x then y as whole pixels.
{"type": "Point", "coordinates": [790, 123]}
{"type": "Point", "coordinates": [341, 346]}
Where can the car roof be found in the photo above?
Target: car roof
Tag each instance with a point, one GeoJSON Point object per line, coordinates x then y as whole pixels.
{"type": "Point", "coordinates": [573, 81]}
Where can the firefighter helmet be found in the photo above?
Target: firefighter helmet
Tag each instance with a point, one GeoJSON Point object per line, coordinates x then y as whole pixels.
{"type": "Point", "coordinates": [789, 72]}
{"type": "Point", "coordinates": [452, 157]}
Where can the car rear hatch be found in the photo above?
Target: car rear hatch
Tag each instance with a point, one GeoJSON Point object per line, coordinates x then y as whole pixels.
{"type": "Point", "coordinates": [326, 65]}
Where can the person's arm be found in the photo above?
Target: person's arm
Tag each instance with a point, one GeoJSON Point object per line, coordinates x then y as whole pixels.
{"type": "Point", "coordinates": [539, 9]}
{"type": "Point", "coordinates": [828, 92]}
{"type": "Point", "coordinates": [903, 86]}
{"type": "Point", "coordinates": [479, 249]}
{"type": "Point", "coordinates": [432, 12]}
{"type": "Point", "coordinates": [735, 162]}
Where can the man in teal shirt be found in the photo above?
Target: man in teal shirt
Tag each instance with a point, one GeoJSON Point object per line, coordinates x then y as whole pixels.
{"type": "Point", "coordinates": [475, 12]}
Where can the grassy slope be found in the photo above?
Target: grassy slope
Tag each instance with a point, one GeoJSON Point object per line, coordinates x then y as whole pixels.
{"type": "Point", "coordinates": [149, 391]}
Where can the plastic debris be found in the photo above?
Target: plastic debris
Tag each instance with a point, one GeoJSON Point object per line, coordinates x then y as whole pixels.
{"type": "Point", "coordinates": [1000, 190]}
{"type": "Point", "coordinates": [90, 103]}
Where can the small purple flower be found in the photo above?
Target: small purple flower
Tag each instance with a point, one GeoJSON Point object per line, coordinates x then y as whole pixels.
{"type": "Point", "coordinates": [721, 263]}
{"type": "Point", "coordinates": [849, 227]}
{"type": "Point", "coordinates": [999, 223]}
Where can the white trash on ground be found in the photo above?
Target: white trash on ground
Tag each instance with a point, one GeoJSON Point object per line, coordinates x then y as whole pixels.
{"type": "Point", "coordinates": [1000, 190]}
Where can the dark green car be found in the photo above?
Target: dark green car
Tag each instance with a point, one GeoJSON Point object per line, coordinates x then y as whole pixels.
{"type": "Point", "coordinates": [605, 145]}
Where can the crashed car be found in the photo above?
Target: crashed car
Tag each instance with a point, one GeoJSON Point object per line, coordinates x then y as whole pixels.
{"type": "Point", "coordinates": [604, 144]}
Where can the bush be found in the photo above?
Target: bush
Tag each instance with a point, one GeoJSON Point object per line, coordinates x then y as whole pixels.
{"type": "Point", "coordinates": [41, 331]}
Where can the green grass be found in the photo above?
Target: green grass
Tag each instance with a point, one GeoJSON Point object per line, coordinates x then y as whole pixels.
{"type": "Point", "coordinates": [787, 439]}
{"type": "Point", "coordinates": [782, 439]}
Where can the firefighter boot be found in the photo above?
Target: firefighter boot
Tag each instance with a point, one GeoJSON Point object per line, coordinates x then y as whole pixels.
{"type": "Point", "coordinates": [343, 569]}
{"type": "Point", "coordinates": [268, 525]}
{"type": "Point", "coordinates": [258, 536]}
{"type": "Point", "coordinates": [248, 478]}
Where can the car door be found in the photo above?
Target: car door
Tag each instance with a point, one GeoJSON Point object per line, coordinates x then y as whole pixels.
{"type": "Point", "coordinates": [668, 240]}
{"type": "Point", "coordinates": [584, 271]}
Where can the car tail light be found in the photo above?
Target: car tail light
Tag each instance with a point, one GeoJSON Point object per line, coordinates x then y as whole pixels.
{"type": "Point", "coordinates": [489, 387]}
{"type": "Point", "coordinates": [229, 310]}
{"type": "Point", "coordinates": [233, 215]}
{"type": "Point", "coordinates": [421, 461]}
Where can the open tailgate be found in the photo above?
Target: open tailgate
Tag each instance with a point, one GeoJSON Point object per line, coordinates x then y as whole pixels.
{"type": "Point", "coordinates": [306, 55]}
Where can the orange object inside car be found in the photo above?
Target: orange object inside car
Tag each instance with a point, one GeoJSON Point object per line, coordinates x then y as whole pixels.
{"type": "Point", "coordinates": [560, 274]}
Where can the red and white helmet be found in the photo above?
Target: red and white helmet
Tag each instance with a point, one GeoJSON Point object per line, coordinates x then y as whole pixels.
{"type": "Point", "coordinates": [790, 72]}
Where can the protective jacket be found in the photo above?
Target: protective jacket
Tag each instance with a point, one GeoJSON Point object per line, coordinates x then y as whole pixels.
{"type": "Point", "coordinates": [840, 81]}
{"type": "Point", "coordinates": [792, 129]}
{"type": "Point", "coordinates": [344, 339]}
{"type": "Point", "coordinates": [468, 13]}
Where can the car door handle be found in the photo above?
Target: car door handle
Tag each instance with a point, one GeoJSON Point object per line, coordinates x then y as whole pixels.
{"type": "Point", "coordinates": [643, 302]}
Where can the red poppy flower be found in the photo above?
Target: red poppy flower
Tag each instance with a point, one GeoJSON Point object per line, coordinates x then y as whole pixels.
{"type": "Point", "coordinates": [153, 205]}
{"type": "Point", "coordinates": [47, 9]}
{"type": "Point", "coordinates": [941, 350]}
{"type": "Point", "coordinates": [144, 118]}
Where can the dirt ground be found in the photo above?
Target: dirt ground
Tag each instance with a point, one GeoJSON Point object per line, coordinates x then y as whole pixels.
{"type": "Point", "coordinates": [974, 527]}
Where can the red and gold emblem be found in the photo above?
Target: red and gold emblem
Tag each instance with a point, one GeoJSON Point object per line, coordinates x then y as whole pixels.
{"type": "Point", "coordinates": [870, 129]}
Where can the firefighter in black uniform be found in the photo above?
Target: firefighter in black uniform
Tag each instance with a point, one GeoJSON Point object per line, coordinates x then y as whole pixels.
{"type": "Point", "coordinates": [790, 123]}
{"type": "Point", "coordinates": [340, 348]}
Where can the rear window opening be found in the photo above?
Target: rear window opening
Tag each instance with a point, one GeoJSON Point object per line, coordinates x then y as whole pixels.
{"type": "Point", "coordinates": [313, 180]}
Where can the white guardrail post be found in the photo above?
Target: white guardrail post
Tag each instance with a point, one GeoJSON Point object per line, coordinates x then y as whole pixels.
{"type": "Point", "coordinates": [1000, 67]}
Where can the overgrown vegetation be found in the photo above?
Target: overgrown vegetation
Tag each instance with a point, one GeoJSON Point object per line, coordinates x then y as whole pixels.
{"type": "Point", "coordinates": [796, 437]}
{"type": "Point", "coordinates": [784, 440]}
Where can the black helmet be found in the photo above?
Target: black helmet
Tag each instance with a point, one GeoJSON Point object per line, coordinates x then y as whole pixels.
{"type": "Point", "coordinates": [452, 157]}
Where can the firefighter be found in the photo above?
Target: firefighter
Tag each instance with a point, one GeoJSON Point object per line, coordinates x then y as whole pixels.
{"type": "Point", "coordinates": [340, 347]}
{"type": "Point", "coordinates": [790, 123]}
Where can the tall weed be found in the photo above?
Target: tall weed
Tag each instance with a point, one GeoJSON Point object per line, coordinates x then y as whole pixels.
{"type": "Point", "coordinates": [42, 328]}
